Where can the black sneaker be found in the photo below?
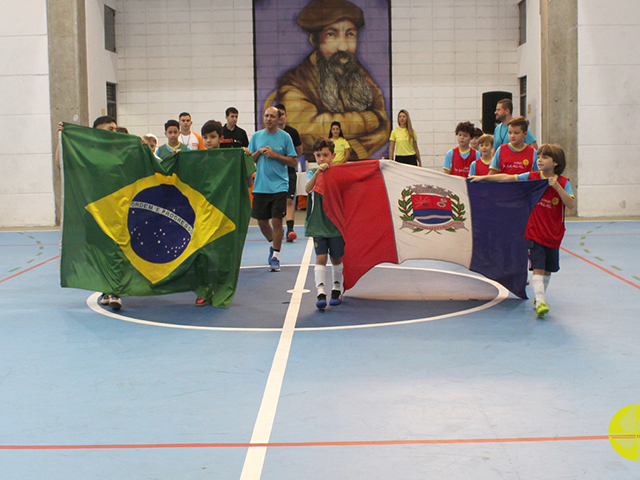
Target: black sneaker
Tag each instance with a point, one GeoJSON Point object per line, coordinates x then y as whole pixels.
{"type": "Point", "coordinates": [322, 301]}
{"type": "Point", "coordinates": [115, 303]}
{"type": "Point", "coordinates": [104, 299]}
{"type": "Point", "coordinates": [336, 298]}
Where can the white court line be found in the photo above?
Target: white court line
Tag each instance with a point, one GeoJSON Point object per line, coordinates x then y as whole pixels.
{"type": "Point", "coordinates": [254, 461]}
{"type": "Point", "coordinates": [503, 293]}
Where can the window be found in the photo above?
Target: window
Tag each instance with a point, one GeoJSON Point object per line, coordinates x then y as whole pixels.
{"type": "Point", "coordinates": [523, 96]}
{"type": "Point", "coordinates": [112, 108]}
{"type": "Point", "coordinates": [522, 10]}
{"type": "Point", "coordinates": [109, 29]}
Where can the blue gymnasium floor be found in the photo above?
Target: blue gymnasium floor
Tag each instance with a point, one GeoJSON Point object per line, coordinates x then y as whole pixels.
{"type": "Point", "coordinates": [425, 371]}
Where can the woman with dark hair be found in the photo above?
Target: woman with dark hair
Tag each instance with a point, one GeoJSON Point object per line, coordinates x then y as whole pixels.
{"type": "Point", "coordinates": [404, 142]}
{"type": "Point", "coordinates": [342, 147]}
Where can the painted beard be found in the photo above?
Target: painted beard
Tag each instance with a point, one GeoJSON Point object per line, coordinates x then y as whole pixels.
{"type": "Point", "coordinates": [343, 83]}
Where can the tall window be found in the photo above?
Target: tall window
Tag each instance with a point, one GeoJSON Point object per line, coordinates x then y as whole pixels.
{"type": "Point", "coordinates": [522, 8]}
{"type": "Point", "coordinates": [112, 108]}
{"type": "Point", "coordinates": [109, 29]}
{"type": "Point", "coordinates": [523, 96]}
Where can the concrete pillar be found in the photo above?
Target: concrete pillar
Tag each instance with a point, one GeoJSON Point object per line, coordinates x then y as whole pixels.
{"type": "Point", "coordinates": [67, 71]}
{"type": "Point", "coordinates": [559, 36]}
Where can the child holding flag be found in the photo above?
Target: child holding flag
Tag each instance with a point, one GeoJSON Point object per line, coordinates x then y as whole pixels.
{"type": "Point", "coordinates": [545, 228]}
{"type": "Point", "coordinates": [327, 238]}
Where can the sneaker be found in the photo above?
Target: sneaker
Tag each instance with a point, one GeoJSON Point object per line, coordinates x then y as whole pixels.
{"type": "Point", "coordinates": [115, 303]}
{"type": "Point", "coordinates": [542, 309]}
{"type": "Point", "coordinates": [322, 301]}
{"type": "Point", "coordinates": [274, 264]}
{"type": "Point", "coordinates": [104, 299]}
{"type": "Point", "coordinates": [535, 303]}
{"type": "Point", "coordinates": [336, 297]}
{"type": "Point", "coordinates": [201, 302]}
{"type": "Point", "coordinates": [291, 236]}
{"type": "Point", "coordinates": [270, 255]}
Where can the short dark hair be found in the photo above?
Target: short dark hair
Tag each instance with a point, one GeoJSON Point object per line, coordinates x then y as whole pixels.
{"type": "Point", "coordinates": [281, 106]}
{"type": "Point", "coordinates": [122, 130]}
{"type": "Point", "coordinates": [477, 133]}
{"type": "Point", "coordinates": [507, 104]}
{"type": "Point", "coordinates": [521, 122]}
{"type": "Point", "coordinates": [184, 114]}
{"type": "Point", "coordinates": [103, 120]}
{"type": "Point", "coordinates": [556, 153]}
{"type": "Point", "coordinates": [466, 127]}
{"type": "Point", "coordinates": [171, 123]}
{"type": "Point", "coordinates": [211, 126]}
{"type": "Point", "coordinates": [320, 143]}
{"type": "Point", "coordinates": [230, 110]}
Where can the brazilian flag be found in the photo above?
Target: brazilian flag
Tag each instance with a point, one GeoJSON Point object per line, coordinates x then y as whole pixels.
{"type": "Point", "coordinates": [136, 226]}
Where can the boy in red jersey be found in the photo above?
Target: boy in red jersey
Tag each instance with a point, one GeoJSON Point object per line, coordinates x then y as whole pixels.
{"type": "Point", "coordinates": [515, 157]}
{"type": "Point", "coordinates": [545, 228]}
{"type": "Point", "coordinates": [481, 165]}
{"type": "Point", "coordinates": [458, 160]}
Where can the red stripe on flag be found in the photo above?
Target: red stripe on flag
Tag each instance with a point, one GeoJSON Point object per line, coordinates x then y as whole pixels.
{"type": "Point", "coordinates": [355, 199]}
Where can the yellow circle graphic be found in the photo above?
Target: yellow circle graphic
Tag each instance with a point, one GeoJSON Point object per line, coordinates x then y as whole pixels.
{"type": "Point", "coordinates": [623, 432]}
{"type": "Point", "coordinates": [555, 200]}
{"type": "Point", "coordinates": [525, 162]}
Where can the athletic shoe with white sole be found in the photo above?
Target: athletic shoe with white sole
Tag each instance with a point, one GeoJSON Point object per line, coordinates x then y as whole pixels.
{"type": "Point", "coordinates": [104, 299]}
{"type": "Point", "coordinates": [274, 264]}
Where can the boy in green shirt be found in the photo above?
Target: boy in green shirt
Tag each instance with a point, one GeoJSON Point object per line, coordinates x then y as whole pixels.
{"type": "Point", "coordinates": [173, 145]}
{"type": "Point", "coordinates": [326, 237]}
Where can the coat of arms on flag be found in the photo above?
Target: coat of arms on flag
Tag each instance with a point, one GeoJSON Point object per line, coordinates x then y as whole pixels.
{"type": "Point", "coordinates": [431, 208]}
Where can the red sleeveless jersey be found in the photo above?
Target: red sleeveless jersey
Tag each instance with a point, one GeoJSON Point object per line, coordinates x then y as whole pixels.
{"type": "Point", "coordinates": [482, 168]}
{"type": "Point", "coordinates": [460, 166]}
{"type": "Point", "coordinates": [546, 222]}
{"type": "Point", "coordinates": [515, 163]}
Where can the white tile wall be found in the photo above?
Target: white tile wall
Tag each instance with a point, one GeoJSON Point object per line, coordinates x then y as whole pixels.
{"type": "Point", "coordinates": [26, 185]}
{"type": "Point", "coordinates": [608, 103]}
{"type": "Point", "coordinates": [192, 56]}
{"type": "Point", "coordinates": [445, 54]}
{"type": "Point", "coordinates": [439, 77]}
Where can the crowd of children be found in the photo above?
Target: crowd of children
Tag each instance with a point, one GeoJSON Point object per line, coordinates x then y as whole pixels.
{"type": "Point", "coordinates": [511, 154]}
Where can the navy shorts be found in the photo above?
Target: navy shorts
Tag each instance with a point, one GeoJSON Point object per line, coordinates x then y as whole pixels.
{"type": "Point", "coordinates": [543, 258]}
{"type": "Point", "coordinates": [334, 246]}
{"type": "Point", "coordinates": [269, 205]}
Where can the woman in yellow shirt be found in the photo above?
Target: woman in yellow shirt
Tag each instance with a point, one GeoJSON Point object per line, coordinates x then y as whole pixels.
{"type": "Point", "coordinates": [404, 142]}
{"type": "Point", "coordinates": [342, 147]}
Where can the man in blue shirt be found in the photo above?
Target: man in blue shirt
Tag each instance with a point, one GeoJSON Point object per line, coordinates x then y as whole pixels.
{"type": "Point", "coordinates": [504, 114]}
{"type": "Point", "coordinates": [273, 152]}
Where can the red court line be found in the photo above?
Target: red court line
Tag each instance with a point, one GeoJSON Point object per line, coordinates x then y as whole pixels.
{"type": "Point", "coordinates": [602, 268]}
{"type": "Point", "coordinates": [304, 444]}
{"type": "Point", "coordinates": [30, 268]}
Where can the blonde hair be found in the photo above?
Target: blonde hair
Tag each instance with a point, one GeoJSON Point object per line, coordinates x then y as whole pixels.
{"type": "Point", "coordinates": [409, 127]}
{"type": "Point", "coordinates": [486, 138]}
{"type": "Point", "coordinates": [150, 136]}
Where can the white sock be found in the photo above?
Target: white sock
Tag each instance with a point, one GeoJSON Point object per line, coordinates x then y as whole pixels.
{"type": "Point", "coordinates": [546, 279]}
{"type": "Point", "coordinates": [276, 254]}
{"type": "Point", "coordinates": [538, 287]}
{"type": "Point", "coordinates": [336, 274]}
{"type": "Point", "coordinates": [319, 274]}
{"type": "Point", "coordinates": [271, 243]}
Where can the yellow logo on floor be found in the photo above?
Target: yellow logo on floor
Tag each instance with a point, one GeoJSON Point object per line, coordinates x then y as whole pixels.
{"type": "Point", "coordinates": [623, 432]}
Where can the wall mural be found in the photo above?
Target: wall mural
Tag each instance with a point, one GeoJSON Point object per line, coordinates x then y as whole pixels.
{"type": "Point", "coordinates": [326, 60]}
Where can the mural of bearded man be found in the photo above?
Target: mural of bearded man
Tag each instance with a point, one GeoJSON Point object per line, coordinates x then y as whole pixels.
{"type": "Point", "coordinates": [331, 84]}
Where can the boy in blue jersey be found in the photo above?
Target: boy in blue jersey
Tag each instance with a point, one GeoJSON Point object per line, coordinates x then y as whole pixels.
{"type": "Point", "coordinates": [273, 151]}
